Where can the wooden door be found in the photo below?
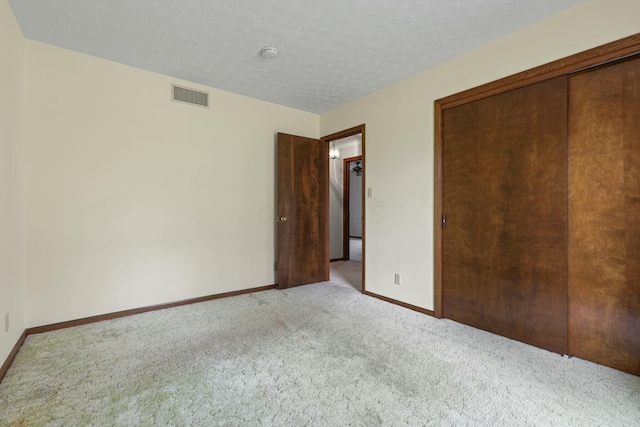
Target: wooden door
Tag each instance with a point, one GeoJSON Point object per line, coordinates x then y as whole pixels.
{"type": "Point", "coordinates": [302, 210]}
{"type": "Point", "coordinates": [505, 200]}
{"type": "Point", "coordinates": [604, 215]}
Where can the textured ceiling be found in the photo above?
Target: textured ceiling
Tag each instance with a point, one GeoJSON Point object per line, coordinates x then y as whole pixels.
{"type": "Point", "coordinates": [331, 51]}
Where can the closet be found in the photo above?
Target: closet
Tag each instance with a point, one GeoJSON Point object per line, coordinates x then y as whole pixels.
{"type": "Point", "coordinates": [505, 201]}
{"type": "Point", "coordinates": [540, 204]}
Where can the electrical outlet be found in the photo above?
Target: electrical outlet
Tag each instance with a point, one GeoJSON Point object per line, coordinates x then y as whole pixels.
{"type": "Point", "coordinates": [369, 193]}
{"type": "Point", "coordinates": [397, 279]}
{"type": "Point", "coordinates": [6, 322]}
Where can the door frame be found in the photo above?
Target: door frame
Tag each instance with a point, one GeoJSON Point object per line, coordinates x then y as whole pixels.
{"type": "Point", "coordinates": [609, 52]}
{"type": "Point", "coordinates": [340, 135]}
{"type": "Point", "coordinates": [346, 205]}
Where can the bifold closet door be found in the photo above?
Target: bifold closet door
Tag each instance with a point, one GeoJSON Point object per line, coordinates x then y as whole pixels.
{"type": "Point", "coordinates": [505, 201]}
{"type": "Point", "coordinates": [604, 215]}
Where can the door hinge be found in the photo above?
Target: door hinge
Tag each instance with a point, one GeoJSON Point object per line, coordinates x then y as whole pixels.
{"type": "Point", "coordinates": [444, 221]}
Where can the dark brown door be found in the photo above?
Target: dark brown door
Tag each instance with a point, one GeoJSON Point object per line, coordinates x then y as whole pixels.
{"type": "Point", "coordinates": [505, 202]}
{"type": "Point", "coordinates": [302, 210]}
{"type": "Point", "coordinates": [604, 215]}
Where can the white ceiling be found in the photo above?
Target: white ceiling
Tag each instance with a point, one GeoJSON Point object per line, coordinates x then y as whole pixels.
{"type": "Point", "coordinates": [331, 51]}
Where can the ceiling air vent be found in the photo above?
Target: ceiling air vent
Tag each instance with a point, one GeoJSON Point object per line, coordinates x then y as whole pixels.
{"type": "Point", "coordinates": [190, 96]}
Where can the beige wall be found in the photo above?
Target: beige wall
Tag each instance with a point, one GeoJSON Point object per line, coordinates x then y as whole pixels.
{"type": "Point", "coordinates": [11, 108]}
{"type": "Point", "coordinates": [133, 199]}
{"type": "Point", "coordinates": [399, 136]}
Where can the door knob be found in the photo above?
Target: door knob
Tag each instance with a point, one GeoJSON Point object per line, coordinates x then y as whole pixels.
{"type": "Point", "coordinates": [282, 219]}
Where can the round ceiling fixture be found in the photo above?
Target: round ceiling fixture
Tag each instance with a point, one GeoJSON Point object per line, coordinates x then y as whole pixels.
{"type": "Point", "coordinates": [269, 52]}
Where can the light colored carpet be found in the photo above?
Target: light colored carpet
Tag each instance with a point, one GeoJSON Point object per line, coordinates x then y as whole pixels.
{"type": "Point", "coordinates": [318, 355]}
{"type": "Point", "coordinates": [347, 273]}
{"type": "Point", "coordinates": [355, 249]}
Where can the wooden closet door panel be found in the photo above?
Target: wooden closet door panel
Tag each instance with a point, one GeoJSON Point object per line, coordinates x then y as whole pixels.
{"type": "Point", "coordinates": [461, 187]}
{"type": "Point", "coordinates": [604, 216]}
{"type": "Point", "coordinates": [504, 254]}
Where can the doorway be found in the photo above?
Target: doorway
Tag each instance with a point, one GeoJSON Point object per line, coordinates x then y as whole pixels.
{"type": "Point", "coordinates": [347, 229]}
{"type": "Point", "coordinates": [352, 209]}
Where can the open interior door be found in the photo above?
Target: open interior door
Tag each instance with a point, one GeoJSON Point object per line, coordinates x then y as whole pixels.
{"type": "Point", "coordinates": [302, 213]}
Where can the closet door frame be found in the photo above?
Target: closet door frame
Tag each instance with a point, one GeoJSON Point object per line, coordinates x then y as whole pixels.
{"type": "Point", "coordinates": [613, 51]}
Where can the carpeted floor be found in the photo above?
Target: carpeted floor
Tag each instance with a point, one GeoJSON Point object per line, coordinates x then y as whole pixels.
{"type": "Point", "coordinates": [347, 273]}
{"type": "Point", "coordinates": [317, 355]}
{"type": "Point", "coordinates": [355, 249]}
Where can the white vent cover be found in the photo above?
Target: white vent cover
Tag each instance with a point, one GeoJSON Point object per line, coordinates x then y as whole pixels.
{"type": "Point", "coordinates": [190, 96]}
